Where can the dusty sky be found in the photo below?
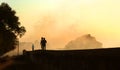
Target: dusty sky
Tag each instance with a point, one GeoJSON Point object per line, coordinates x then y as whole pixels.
{"type": "Point", "coordinates": [61, 21]}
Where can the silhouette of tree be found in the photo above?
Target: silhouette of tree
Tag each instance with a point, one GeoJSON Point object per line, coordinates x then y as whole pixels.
{"type": "Point", "coordinates": [10, 29]}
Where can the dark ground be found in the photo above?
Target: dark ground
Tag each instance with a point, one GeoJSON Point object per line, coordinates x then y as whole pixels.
{"type": "Point", "coordinates": [97, 59]}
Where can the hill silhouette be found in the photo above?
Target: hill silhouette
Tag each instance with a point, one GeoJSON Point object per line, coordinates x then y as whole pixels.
{"type": "Point", "coordinates": [84, 42]}
{"type": "Point", "coordinates": [93, 59]}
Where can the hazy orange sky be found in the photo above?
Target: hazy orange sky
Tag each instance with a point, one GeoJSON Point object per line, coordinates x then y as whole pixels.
{"type": "Point", "coordinates": [61, 21]}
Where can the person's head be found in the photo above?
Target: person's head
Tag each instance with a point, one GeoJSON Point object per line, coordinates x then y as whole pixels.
{"type": "Point", "coordinates": [42, 38]}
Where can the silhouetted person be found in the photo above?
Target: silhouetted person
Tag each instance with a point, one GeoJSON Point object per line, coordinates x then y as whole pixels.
{"type": "Point", "coordinates": [32, 47]}
{"type": "Point", "coordinates": [43, 43]}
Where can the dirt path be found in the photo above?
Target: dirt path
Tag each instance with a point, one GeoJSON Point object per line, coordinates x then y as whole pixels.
{"type": "Point", "coordinates": [5, 64]}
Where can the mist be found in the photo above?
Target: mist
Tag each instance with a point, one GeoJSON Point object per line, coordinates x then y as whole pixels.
{"type": "Point", "coordinates": [84, 42]}
{"type": "Point", "coordinates": [61, 21]}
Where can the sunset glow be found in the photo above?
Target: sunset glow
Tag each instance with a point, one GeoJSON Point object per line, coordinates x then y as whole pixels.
{"type": "Point", "coordinates": [61, 21]}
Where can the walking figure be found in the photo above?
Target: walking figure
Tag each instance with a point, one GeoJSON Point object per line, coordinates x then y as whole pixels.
{"type": "Point", "coordinates": [43, 43]}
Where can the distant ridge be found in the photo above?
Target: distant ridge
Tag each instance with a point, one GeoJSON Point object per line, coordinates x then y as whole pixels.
{"type": "Point", "coordinates": [100, 51]}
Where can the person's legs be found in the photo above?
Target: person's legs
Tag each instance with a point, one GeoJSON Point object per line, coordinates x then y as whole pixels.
{"type": "Point", "coordinates": [42, 47]}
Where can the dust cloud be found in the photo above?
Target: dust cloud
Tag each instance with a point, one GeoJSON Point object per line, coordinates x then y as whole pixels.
{"type": "Point", "coordinates": [84, 42]}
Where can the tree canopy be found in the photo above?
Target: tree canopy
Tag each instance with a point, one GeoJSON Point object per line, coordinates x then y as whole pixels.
{"type": "Point", "coordinates": [10, 29]}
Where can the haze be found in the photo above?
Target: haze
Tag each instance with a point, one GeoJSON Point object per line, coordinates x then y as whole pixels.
{"type": "Point", "coordinates": [61, 21]}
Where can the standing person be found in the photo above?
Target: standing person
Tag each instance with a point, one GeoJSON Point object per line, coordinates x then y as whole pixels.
{"type": "Point", "coordinates": [32, 47]}
{"type": "Point", "coordinates": [43, 43]}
